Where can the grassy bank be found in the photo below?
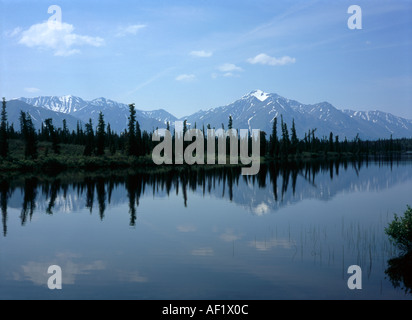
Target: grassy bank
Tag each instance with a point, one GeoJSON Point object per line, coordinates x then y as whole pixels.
{"type": "Point", "coordinates": [71, 158]}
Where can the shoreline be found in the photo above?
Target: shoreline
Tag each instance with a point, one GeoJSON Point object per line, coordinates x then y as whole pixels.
{"type": "Point", "coordinates": [61, 163]}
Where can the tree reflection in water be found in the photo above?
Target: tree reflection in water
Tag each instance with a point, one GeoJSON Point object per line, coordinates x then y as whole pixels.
{"type": "Point", "coordinates": [399, 272]}
{"type": "Point", "coordinates": [273, 180]}
{"type": "Point", "coordinates": [100, 186]}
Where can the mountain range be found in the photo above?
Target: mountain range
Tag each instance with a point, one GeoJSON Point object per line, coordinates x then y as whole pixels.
{"type": "Point", "coordinates": [255, 110]}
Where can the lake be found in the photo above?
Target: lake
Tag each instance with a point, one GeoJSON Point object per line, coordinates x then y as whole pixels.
{"type": "Point", "coordinates": [290, 232]}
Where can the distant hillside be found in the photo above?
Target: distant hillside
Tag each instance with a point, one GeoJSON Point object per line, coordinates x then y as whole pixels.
{"type": "Point", "coordinates": [38, 115]}
{"type": "Point", "coordinates": [255, 110]}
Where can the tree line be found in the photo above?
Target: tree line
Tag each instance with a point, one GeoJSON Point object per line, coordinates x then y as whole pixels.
{"type": "Point", "coordinates": [101, 140]}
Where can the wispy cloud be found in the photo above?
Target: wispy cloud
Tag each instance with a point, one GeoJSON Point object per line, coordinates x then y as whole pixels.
{"type": "Point", "coordinates": [203, 252]}
{"type": "Point", "coordinates": [228, 70]}
{"type": "Point", "coordinates": [151, 80]}
{"type": "Point", "coordinates": [13, 33]}
{"type": "Point", "coordinates": [272, 243]}
{"type": "Point", "coordinates": [130, 30]}
{"type": "Point", "coordinates": [229, 67]}
{"type": "Point", "coordinates": [59, 38]}
{"type": "Point", "coordinates": [34, 271]}
{"type": "Point", "coordinates": [31, 90]}
{"type": "Point", "coordinates": [264, 59]}
{"type": "Point", "coordinates": [186, 228]}
{"type": "Point", "coordinates": [229, 236]}
{"type": "Point", "coordinates": [186, 77]}
{"type": "Point", "coordinates": [201, 54]}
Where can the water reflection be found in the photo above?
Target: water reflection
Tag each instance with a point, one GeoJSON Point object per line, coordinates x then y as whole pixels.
{"type": "Point", "coordinates": [34, 271]}
{"type": "Point", "coordinates": [4, 195]}
{"type": "Point", "coordinates": [310, 235]}
{"type": "Point", "coordinates": [400, 272]}
{"type": "Point", "coordinates": [281, 189]}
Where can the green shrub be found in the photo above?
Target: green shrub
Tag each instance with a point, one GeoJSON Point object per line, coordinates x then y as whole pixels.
{"type": "Point", "coordinates": [400, 230]}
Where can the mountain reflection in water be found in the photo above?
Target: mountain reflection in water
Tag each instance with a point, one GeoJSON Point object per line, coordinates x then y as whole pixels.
{"type": "Point", "coordinates": [298, 224]}
{"type": "Point", "coordinates": [277, 186]}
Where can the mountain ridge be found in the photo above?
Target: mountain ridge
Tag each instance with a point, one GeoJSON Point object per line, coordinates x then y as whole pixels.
{"type": "Point", "coordinates": [255, 110]}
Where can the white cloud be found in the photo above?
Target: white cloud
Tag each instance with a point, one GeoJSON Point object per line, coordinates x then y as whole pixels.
{"type": "Point", "coordinates": [261, 209]}
{"type": "Point", "coordinates": [203, 252]}
{"type": "Point", "coordinates": [31, 90]}
{"type": "Point", "coordinates": [229, 236]}
{"type": "Point", "coordinates": [186, 228]}
{"type": "Point", "coordinates": [229, 68]}
{"type": "Point", "coordinates": [13, 33]}
{"type": "Point", "coordinates": [130, 30]}
{"type": "Point", "coordinates": [271, 61]}
{"type": "Point", "coordinates": [133, 276]}
{"type": "Point", "coordinates": [186, 77]}
{"type": "Point", "coordinates": [201, 54]}
{"type": "Point", "coordinates": [271, 243]}
{"type": "Point", "coordinates": [36, 272]}
{"type": "Point", "coordinates": [59, 38]}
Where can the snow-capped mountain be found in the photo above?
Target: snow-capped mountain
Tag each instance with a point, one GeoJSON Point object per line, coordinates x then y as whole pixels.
{"type": "Point", "coordinates": [255, 110]}
{"type": "Point", "coordinates": [114, 112]}
{"type": "Point", "coordinates": [38, 115]}
{"type": "Point", "coordinates": [378, 122]}
{"type": "Point", "coordinates": [65, 104]}
{"type": "Point", "coordinates": [160, 115]}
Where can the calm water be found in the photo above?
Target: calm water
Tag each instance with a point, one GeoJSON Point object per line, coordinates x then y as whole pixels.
{"type": "Point", "coordinates": [289, 233]}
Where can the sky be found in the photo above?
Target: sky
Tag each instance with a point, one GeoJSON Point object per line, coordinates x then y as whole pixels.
{"type": "Point", "coordinates": [188, 55]}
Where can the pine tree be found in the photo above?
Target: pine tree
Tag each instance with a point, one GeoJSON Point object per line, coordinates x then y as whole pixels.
{"type": "Point", "coordinates": [52, 133]}
{"type": "Point", "coordinates": [132, 143]}
{"type": "Point", "coordinates": [274, 141]}
{"type": "Point", "coordinates": [230, 124]}
{"type": "Point", "coordinates": [100, 135]}
{"type": "Point", "coordinates": [79, 137]}
{"type": "Point", "coordinates": [89, 147]}
{"type": "Point", "coordinates": [4, 145]}
{"type": "Point", "coordinates": [29, 135]}
{"type": "Point", "coordinates": [139, 144]}
{"type": "Point", "coordinates": [263, 143]}
{"type": "Point", "coordinates": [65, 132]}
{"type": "Point", "coordinates": [331, 144]}
{"type": "Point", "coordinates": [285, 138]}
{"type": "Point", "coordinates": [111, 140]}
{"type": "Point", "coordinates": [337, 144]}
{"type": "Point", "coordinates": [294, 138]}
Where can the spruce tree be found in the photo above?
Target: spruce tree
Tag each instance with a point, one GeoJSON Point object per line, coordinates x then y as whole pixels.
{"type": "Point", "coordinates": [139, 143]}
{"type": "Point", "coordinates": [132, 143]}
{"type": "Point", "coordinates": [100, 136]}
{"type": "Point", "coordinates": [274, 141]}
{"type": "Point", "coordinates": [285, 138]}
{"type": "Point", "coordinates": [29, 135]}
{"type": "Point", "coordinates": [331, 143]}
{"type": "Point", "coordinates": [294, 138]}
{"type": "Point", "coordinates": [4, 145]}
{"type": "Point", "coordinates": [65, 132]}
{"type": "Point", "coordinates": [89, 147]}
{"type": "Point", "coordinates": [52, 133]}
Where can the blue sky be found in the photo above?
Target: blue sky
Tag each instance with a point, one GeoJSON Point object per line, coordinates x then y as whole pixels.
{"type": "Point", "coordinates": [196, 54]}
